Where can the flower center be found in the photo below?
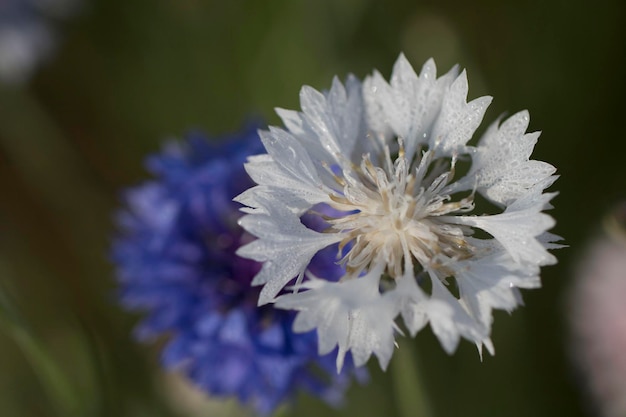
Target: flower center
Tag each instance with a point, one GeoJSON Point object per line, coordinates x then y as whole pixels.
{"type": "Point", "coordinates": [392, 213]}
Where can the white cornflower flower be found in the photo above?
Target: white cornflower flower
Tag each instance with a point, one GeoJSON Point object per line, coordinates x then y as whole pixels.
{"type": "Point", "coordinates": [379, 164]}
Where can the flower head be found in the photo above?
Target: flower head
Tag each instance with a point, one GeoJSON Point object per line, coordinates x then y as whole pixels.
{"type": "Point", "coordinates": [380, 163]}
{"type": "Point", "coordinates": [176, 260]}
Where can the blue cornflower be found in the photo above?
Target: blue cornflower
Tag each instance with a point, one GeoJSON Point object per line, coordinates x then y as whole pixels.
{"type": "Point", "coordinates": [176, 260]}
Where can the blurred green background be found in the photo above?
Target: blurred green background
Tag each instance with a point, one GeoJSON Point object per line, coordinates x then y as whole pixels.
{"type": "Point", "coordinates": [129, 74]}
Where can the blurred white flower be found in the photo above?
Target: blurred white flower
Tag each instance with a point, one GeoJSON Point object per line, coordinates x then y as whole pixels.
{"type": "Point", "coordinates": [27, 35]}
{"type": "Point", "coordinates": [377, 162]}
{"type": "Point", "coordinates": [596, 314]}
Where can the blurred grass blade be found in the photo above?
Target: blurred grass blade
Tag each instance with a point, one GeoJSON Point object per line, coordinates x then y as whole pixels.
{"type": "Point", "coordinates": [55, 383]}
{"type": "Point", "coordinates": [410, 396]}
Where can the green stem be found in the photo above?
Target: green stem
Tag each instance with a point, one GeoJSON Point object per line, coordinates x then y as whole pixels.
{"type": "Point", "coordinates": [53, 380]}
{"type": "Point", "coordinates": [411, 398]}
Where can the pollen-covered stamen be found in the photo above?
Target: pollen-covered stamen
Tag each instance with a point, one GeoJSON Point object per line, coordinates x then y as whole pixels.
{"type": "Point", "coordinates": [394, 211]}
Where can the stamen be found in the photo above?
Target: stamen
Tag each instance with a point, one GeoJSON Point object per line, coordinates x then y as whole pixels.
{"type": "Point", "coordinates": [339, 180]}
{"type": "Point", "coordinates": [401, 154]}
{"type": "Point", "coordinates": [388, 160]}
{"type": "Point", "coordinates": [395, 211]}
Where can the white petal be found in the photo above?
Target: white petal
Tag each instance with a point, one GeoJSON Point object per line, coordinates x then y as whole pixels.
{"type": "Point", "coordinates": [296, 200]}
{"type": "Point", "coordinates": [450, 320]}
{"type": "Point", "coordinates": [408, 105]}
{"type": "Point", "coordinates": [548, 240]}
{"type": "Point", "coordinates": [490, 283]}
{"type": "Point", "coordinates": [331, 123]}
{"type": "Point", "coordinates": [517, 228]}
{"type": "Point", "coordinates": [285, 245]}
{"type": "Point", "coordinates": [350, 314]}
{"type": "Point", "coordinates": [375, 99]}
{"type": "Point", "coordinates": [458, 119]}
{"type": "Point", "coordinates": [413, 303]}
{"type": "Point", "coordinates": [401, 102]}
{"type": "Point", "coordinates": [501, 169]}
{"type": "Point", "coordinates": [291, 157]}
